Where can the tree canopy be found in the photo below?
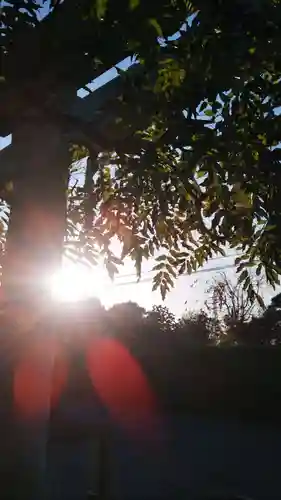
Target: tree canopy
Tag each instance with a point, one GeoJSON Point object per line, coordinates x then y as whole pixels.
{"type": "Point", "coordinates": [197, 159]}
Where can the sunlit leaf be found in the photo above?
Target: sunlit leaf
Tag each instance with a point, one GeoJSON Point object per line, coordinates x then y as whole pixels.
{"type": "Point", "coordinates": [153, 22]}
{"type": "Point", "coordinates": [101, 6]}
{"type": "Point", "coordinates": [134, 4]}
{"type": "Point", "coordinates": [243, 276]}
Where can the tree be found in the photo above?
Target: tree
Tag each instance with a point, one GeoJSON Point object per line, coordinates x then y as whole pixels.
{"type": "Point", "coordinates": [206, 149]}
{"type": "Point", "coordinates": [195, 147]}
{"type": "Point", "coordinates": [44, 87]}
{"type": "Point", "coordinates": [155, 328]}
{"type": "Point", "coordinates": [125, 321]}
{"type": "Point", "coordinates": [264, 329]}
{"type": "Point", "coordinates": [275, 304]}
{"type": "Point", "coordinates": [196, 329]}
{"type": "Point", "coordinates": [199, 167]}
{"type": "Point", "coordinates": [231, 307]}
{"type": "Point", "coordinates": [161, 318]}
{"type": "Point", "coordinates": [271, 321]}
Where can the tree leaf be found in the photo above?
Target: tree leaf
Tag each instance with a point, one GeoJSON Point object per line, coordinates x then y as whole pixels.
{"type": "Point", "coordinates": [182, 269]}
{"type": "Point", "coordinates": [259, 269]}
{"type": "Point", "coordinates": [134, 4]}
{"type": "Point", "coordinates": [161, 258]}
{"type": "Point", "coordinates": [163, 289]}
{"type": "Point", "coordinates": [159, 266]}
{"type": "Point", "coordinates": [153, 22]}
{"type": "Point", "coordinates": [260, 301]}
{"type": "Point", "coordinates": [101, 6]}
{"type": "Point", "coordinates": [243, 276]}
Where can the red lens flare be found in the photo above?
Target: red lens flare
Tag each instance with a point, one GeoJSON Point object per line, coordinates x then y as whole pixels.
{"type": "Point", "coordinates": [121, 384]}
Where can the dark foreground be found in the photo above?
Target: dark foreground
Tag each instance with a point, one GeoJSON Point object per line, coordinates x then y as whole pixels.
{"type": "Point", "coordinates": [197, 456]}
{"type": "Point", "coordinates": [218, 431]}
{"type": "Point", "coordinates": [216, 428]}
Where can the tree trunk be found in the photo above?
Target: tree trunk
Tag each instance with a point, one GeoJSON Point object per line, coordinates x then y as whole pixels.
{"type": "Point", "coordinates": [33, 252]}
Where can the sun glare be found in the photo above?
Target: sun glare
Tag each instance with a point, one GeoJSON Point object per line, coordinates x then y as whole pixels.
{"type": "Point", "coordinates": [74, 283]}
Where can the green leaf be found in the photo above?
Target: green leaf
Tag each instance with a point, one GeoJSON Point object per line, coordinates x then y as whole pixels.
{"type": "Point", "coordinates": [134, 4]}
{"type": "Point", "coordinates": [217, 218]}
{"type": "Point", "coordinates": [270, 227]}
{"type": "Point", "coordinates": [168, 279]}
{"type": "Point", "coordinates": [163, 290]}
{"type": "Point", "coordinates": [238, 260]}
{"type": "Point", "coordinates": [188, 268]}
{"type": "Point", "coordinates": [246, 283]}
{"type": "Point", "coordinates": [260, 301]}
{"type": "Point", "coordinates": [200, 173]}
{"type": "Point", "coordinates": [171, 270]}
{"type": "Point", "coordinates": [101, 8]}
{"type": "Point", "coordinates": [243, 276]}
{"type": "Point", "coordinates": [172, 261]}
{"type": "Point", "coordinates": [203, 106]}
{"type": "Point", "coordinates": [251, 295]}
{"type": "Point", "coordinates": [259, 270]}
{"type": "Point", "coordinates": [182, 268]}
{"type": "Point", "coordinates": [209, 112]}
{"type": "Point", "coordinates": [153, 22]}
{"type": "Point", "coordinates": [161, 258]}
{"type": "Point", "coordinates": [158, 267]}
{"type": "Point", "coordinates": [240, 267]}
{"type": "Point", "coordinates": [255, 155]}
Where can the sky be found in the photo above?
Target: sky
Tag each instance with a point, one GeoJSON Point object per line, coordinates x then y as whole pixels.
{"type": "Point", "coordinates": [189, 292]}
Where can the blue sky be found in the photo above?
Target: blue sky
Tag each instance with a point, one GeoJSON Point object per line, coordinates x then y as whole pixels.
{"type": "Point", "coordinates": [189, 291]}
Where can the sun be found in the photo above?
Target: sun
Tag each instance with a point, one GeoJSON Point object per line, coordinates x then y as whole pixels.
{"type": "Point", "coordinates": [76, 282]}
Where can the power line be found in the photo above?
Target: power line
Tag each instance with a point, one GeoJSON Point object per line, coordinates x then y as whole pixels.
{"type": "Point", "coordinates": [209, 270]}
{"type": "Point", "coordinates": [132, 275]}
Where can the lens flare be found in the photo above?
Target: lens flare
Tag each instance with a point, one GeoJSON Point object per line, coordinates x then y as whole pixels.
{"type": "Point", "coordinates": [121, 384]}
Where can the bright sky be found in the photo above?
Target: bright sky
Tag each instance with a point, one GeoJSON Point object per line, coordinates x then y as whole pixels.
{"type": "Point", "coordinates": [189, 291]}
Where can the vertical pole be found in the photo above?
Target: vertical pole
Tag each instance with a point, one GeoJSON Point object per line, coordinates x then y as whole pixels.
{"type": "Point", "coordinates": [104, 464]}
{"type": "Point", "coordinates": [33, 251]}
{"type": "Point", "coordinates": [38, 213]}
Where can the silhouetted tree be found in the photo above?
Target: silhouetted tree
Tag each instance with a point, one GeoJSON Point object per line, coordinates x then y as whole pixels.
{"type": "Point", "coordinates": [196, 329]}
{"type": "Point", "coordinates": [264, 329]}
{"type": "Point", "coordinates": [228, 318]}
{"type": "Point", "coordinates": [125, 321]}
{"type": "Point", "coordinates": [160, 318]}
{"type": "Point", "coordinates": [231, 307]}
{"type": "Point", "coordinates": [159, 327]}
{"type": "Point", "coordinates": [272, 319]}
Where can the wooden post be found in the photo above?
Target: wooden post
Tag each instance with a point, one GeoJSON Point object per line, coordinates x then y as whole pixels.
{"type": "Point", "coordinates": [33, 251]}
{"type": "Point", "coordinates": [38, 213]}
{"type": "Point", "coordinates": [104, 464]}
